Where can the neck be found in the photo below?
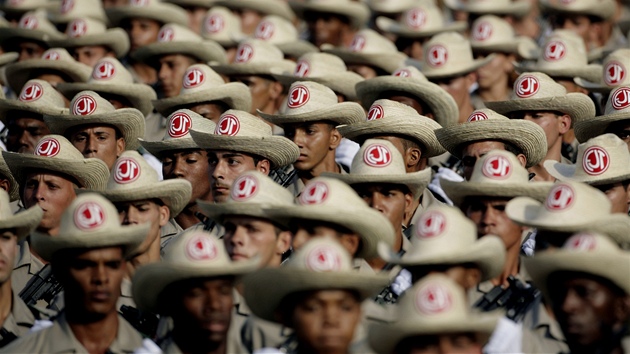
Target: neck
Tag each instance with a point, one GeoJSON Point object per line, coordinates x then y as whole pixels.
{"type": "Point", "coordinates": [466, 110]}
{"type": "Point", "coordinates": [328, 164]}
{"type": "Point", "coordinates": [553, 154]}
{"type": "Point", "coordinates": [6, 300]}
{"type": "Point", "coordinates": [96, 334]}
{"type": "Point", "coordinates": [497, 92]}
{"type": "Point", "coordinates": [512, 261]}
{"type": "Point", "coordinates": [151, 255]}
{"type": "Point", "coordinates": [187, 217]}
{"type": "Point", "coordinates": [409, 213]}
{"type": "Point", "coordinates": [568, 137]}
{"type": "Point", "coordinates": [145, 73]}
{"type": "Point", "coordinates": [190, 341]}
{"type": "Point", "coordinates": [269, 108]}
{"type": "Point", "coordinates": [378, 263]}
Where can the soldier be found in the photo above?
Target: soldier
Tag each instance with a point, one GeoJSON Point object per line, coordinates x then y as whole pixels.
{"type": "Point", "coordinates": [196, 10]}
{"type": "Point", "coordinates": [224, 27]}
{"type": "Point", "coordinates": [88, 257]}
{"type": "Point", "coordinates": [13, 11]}
{"type": "Point", "coordinates": [252, 12]}
{"type": "Point", "coordinates": [283, 34]}
{"type": "Point", "coordinates": [31, 36]}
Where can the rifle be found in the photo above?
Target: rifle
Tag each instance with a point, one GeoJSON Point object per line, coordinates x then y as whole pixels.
{"type": "Point", "coordinates": [42, 286]}
{"type": "Point", "coordinates": [145, 323]}
{"type": "Point", "coordinates": [282, 177]}
{"type": "Point", "coordinates": [517, 299]}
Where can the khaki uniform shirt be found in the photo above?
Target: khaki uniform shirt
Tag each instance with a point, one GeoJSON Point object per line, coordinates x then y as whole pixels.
{"type": "Point", "coordinates": [256, 333]}
{"type": "Point", "coordinates": [26, 266]}
{"type": "Point", "coordinates": [59, 338]}
{"type": "Point", "coordinates": [234, 345]}
{"type": "Point", "coordinates": [155, 127]}
{"type": "Point", "coordinates": [126, 297]}
{"type": "Point", "coordinates": [168, 231]}
{"type": "Point", "coordinates": [20, 319]}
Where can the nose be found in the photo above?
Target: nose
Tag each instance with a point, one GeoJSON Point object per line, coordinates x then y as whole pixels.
{"type": "Point", "coordinates": [99, 275]}
{"type": "Point", "coordinates": [177, 170]}
{"type": "Point", "coordinates": [237, 238]}
{"type": "Point", "coordinates": [331, 316]}
{"type": "Point", "coordinates": [219, 170]}
{"type": "Point", "coordinates": [571, 302]}
{"type": "Point", "coordinates": [90, 145]}
{"type": "Point", "coordinates": [298, 138]}
{"type": "Point", "coordinates": [129, 216]}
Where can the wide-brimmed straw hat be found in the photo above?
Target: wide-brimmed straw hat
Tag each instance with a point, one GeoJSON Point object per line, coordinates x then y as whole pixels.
{"type": "Point", "coordinates": [584, 253]}
{"type": "Point", "coordinates": [55, 153]}
{"type": "Point", "coordinates": [333, 201]}
{"type": "Point", "coordinates": [23, 222]}
{"type": "Point", "coordinates": [356, 11]}
{"type": "Point", "coordinates": [192, 254]}
{"type": "Point", "coordinates": [419, 21]}
{"type": "Point", "coordinates": [390, 6]}
{"type": "Point", "coordinates": [321, 264]}
{"type": "Point", "coordinates": [614, 73]}
{"type": "Point", "coordinates": [283, 34]}
{"type": "Point", "coordinates": [87, 107]}
{"type": "Point", "coordinates": [387, 117]}
{"type": "Point", "coordinates": [436, 305]}
{"type": "Point", "coordinates": [490, 34]}
{"type": "Point", "coordinates": [33, 26]}
{"type": "Point", "coordinates": [617, 109]}
{"type": "Point", "coordinates": [89, 32]}
{"type": "Point", "coordinates": [178, 39]}
{"type": "Point", "coordinates": [443, 235]}
{"type": "Point", "coordinates": [604, 160]}
{"type": "Point", "coordinates": [251, 194]}
{"type": "Point", "coordinates": [20, 7]}
{"type": "Point", "coordinates": [497, 174]}
{"type": "Point", "coordinates": [518, 8]}
{"type": "Point", "coordinates": [604, 9]}
{"type": "Point", "coordinates": [564, 55]}
{"type": "Point", "coordinates": [378, 161]}
{"type": "Point", "coordinates": [410, 80]}
{"type": "Point", "coordinates": [327, 69]}
{"type": "Point", "coordinates": [110, 77]}
{"type": "Point", "coordinates": [256, 57]}
{"type": "Point", "coordinates": [536, 91]}
{"type": "Point", "coordinates": [89, 222]}
{"type": "Point", "coordinates": [37, 96]}
{"type": "Point", "coordinates": [222, 26]}
{"type": "Point", "coordinates": [52, 60]}
{"type": "Point", "coordinates": [207, 4]}
{"type": "Point", "coordinates": [243, 132]}
{"type": "Point", "coordinates": [202, 84]}
{"type": "Point", "coordinates": [448, 55]}
{"type": "Point", "coordinates": [266, 7]}
{"type": "Point", "coordinates": [152, 9]}
{"type": "Point", "coordinates": [14, 189]}
{"type": "Point", "coordinates": [177, 136]}
{"type": "Point", "coordinates": [310, 101]}
{"type": "Point", "coordinates": [68, 10]}
{"type": "Point", "coordinates": [485, 124]}
{"type": "Point", "coordinates": [571, 207]}
{"type": "Point", "coordinates": [372, 49]}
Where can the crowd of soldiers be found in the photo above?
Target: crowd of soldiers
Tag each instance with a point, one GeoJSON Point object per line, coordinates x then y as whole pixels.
{"type": "Point", "coordinates": [315, 176]}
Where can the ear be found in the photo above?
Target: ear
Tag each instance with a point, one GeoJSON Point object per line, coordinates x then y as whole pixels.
{"type": "Point", "coordinates": [472, 277]}
{"type": "Point", "coordinates": [284, 242]}
{"type": "Point", "coordinates": [522, 159]}
{"type": "Point", "coordinates": [5, 185]}
{"type": "Point", "coordinates": [120, 146]}
{"type": "Point", "coordinates": [165, 215]}
{"type": "Point", "coordinates": [565, 123]}
{"type": "Point", "coordinates": [622, 309]}
{"type": "Point", "coordinates": [263, 166]}
{"type": "Point", "coordinates": [471, 78]}
{"type": "Point", "coordinates": [275, 90]}
{"type": "Point", "coordinates": [409, 200]}
{"type": "Point", "coordinates": [335, 139]}
{"type": "Point", "coordinates": [351, 243]}
{"type": "Point", "coordinates": [412, 158]}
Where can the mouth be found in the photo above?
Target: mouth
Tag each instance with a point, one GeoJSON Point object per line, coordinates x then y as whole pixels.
{"type": "Point", "coordinates": [302, 157]}
{"type": "Point", "coordinates": [100, 296]}
{"type": "Point", "coordinates": [239, 257]}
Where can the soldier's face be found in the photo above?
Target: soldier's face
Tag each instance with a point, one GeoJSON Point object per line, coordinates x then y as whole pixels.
{"type": "Point", "coordinates": [456, 343]}
{"type": "Point", "coordinates": [619, 196]}
{"type": "Point", "coordinates": [315, 141]}
{"type": "Point", "coordinates": [24, 133]}
{"type": "Point", "coordinates": [553, 124]}
{"type": "Point", "coordinates": [325, 320]}
{"type": "Point", "coordinates": [89, 55]}
{"type": "Point", "coordinates": [99, 142]}
{"type": "Point", "coordinates": [8, 252]}
{"type": "Point", "coordinates": [53, 193]}
{"type": "Point", "coordinates": [304, 230]}
{"type": "Point", "coordinates": [248, 237]}
{"type": "Point", "coordinates": [191, 165]}
{"type": "Point", "coordinates": [93, 280]}
{"type": "Point", "coordinates": [225, 166]}
{"type": "Point", "coordinates": [489, 216]}
{"type": "Point", "coordinates": [171, 70]}
{"type": "Point", "coordinates": [141, 212]}
{"type": "Point", "coordinates": [389, 199]}
{"type": "Point", "coordinates": [141, 31]}
{"type": "Point", "coordinates": [325, 28]}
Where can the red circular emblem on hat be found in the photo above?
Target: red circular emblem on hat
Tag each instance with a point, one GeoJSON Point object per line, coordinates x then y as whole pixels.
{"type": "Point", "coordinates": [15, 2]}
{"type": "Point", "coordinates": [228, 125]}
{"type": "Point", "coordinates": [375, 112]}
{"type": "Point", "coordinates": [567, 2]}
{"type": "Point", "coordinates": [377, 155]}
{"type": "Point", "coordinates": [89, 216]}
{"type": "Point", "coordinates": [298, 96]}
{"type": "Point", "coordinates": [193, 78]}
{"type": "Point", "coordinates": [526, 86]}
{"type": "Point", "coordinates": [357, 44]}
{"type": "Point", "coordinates": [48, 147]}
{"type": "Point", "coordinates": [201, 248]}
{"type": "Point", "coordinates": [29, 22]}
{"type": "Point", "coordinates": [431, 224]}
{"type": "Point", "coordinates": [302, 69]}
{"type": "Point", "coordinates": [140, 3]}
{"type": "Point", "coordinates": [477, 116]}
{"type": "Point", "coordinates": [402, 73]}
{"type": "Point", "coordinates": [104, 70]}
{"type": "Point", "coordinates": [31, 92]}
{"type": "Point", "coordinates": [51, 55]}
{"type": "Point", "coordinates": [482, 31]}
{"type": "Point", "coordinates": [416, 18]}
{"type": "Point", "coordinates": [437, 56]}
{"type": "Point", "coordinates": [497, 167]}
{"type": "Point", "coordinates": [126, 171]}
{"type": "Point", "coordinates": [244, 53]}
{"type": "Point", "coordinates": [324, 259]}
{"type": "Point", "coordinates": [265, 30]}
{"type": "Point", "coordinates": [560, 197]}
{"type": "Point", "coordinates": [614, 73]}
{"type": "Point", "coordinates": [244, 188]}
{"type": "Point", "coordinates": [432, 299]}
{"type": "Point", "coordinates": [555, 50]}
{"type": "Point", "coordinates": [84, 105]}
{"type": "Point", "coordinates": [595, 161]}
{"type": "Point", "coordinates": [581, 242]}
{"type": "Point", "coordinates": [179, 125]}
{"type": "Point", "coordinates": [214, 23]}
{"type": "Point", "coordinates": [314, 193]}
{"type": "Point", "coordinates": [66, 6]}
{"type": "Point", "coordinates": [77, 28]}
{"type": "Point", "coordinates": [166, 34]}
{"type": "Point", "coordinates": [620, 98]}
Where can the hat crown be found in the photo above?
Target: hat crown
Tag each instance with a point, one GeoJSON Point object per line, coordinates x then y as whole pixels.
{"type": "Point", "coordinates": [423, 17]}
{"type": "Point", "coordinates": [615, 68]}
{"type": "Point", "coordinates": [618, 101]}
{"type": "Point", "coordinates": [378, 157]}
{"type": "Point", "coordinates": [535, 85]}
{"type": "Point", "coordinates": [604, 156]}
{"type": "Point", "coordinates": [321, 255]}
{"type": "Point", "coordinates": [182, 121]}
{"type": "Point", "coordinates": [253, 187]}
{"type": "Point", "coordinates": [368, 41]}
{"type": "Point", "coordinates": [329, 192]}
{"type": "Point", "coordinates": [590, 242]}
{"type": "Point", "coordinates": [87, 103]}
{"type": "Point", "coordinates": [130, 171]}
{"type": "Point", "coordinates": [57, 147]}
{"type": "Point", "coordinates": [562, 48]}
{"type": "Point", "coordinates": [576, 198]}
{"type": "Point", "coordinates": [276, 30]}
{"type": "Point", "coordinates": [110, 71]}
{"type": "Point", "coordinates": [499, 167]}
{"type": "Point", "coordinates": [196, 248]}
{"type": "Point", "coordinates": [200, 77]}
{"type": "Point", "coordinates": [58, 54]}
{"type": "Point", "coordinates": [84, 26]}
{"type": "Point", "coordinates": [484, 114]}
{"type": "Point", "coordinates": [388, 109]}
{"type": "Point", "coordinates": [445, 53]}
{"type": "Point", "coordinates": [490, 29]}
{"type": "Point", "coordinates": [81, 8]}
{"type": "Point", "coordinates": [319, 65]}
{"type": "Point", "coordinates": [435, 299]}
{"type": "Point", "coordinates": [38, 20]}
{"type": "Point", "coordinates": [239, 123]}
{"type": "Point", "coordinates": [257, 51]}
{"type": "Point", "coordinates": [411, 73]}
{"type": "Point", "coordinates": [25, 4]}
{"type": "Point", "coordinates": [89, 212]}
{"type": "Point", "coordinates": [40, 93]}
{"type": "Point", "coordinates": [172, 32]}
{"type": "Point", "coordinates": [220, 24]}
{"type": "Point", "coordinates": [308, 96]}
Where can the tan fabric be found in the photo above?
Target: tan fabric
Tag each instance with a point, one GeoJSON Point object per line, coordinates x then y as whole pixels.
{"type": "Point", "coordinates": [256, 333]}
{"type": "Point", "coordinates": [544, 334]}
{"type": "Point", "coordinates": [59, 339]}
{"type": "Point", "coordinates": [26, 266]}
{"type": "Point", "coordinates": [168, 231]}
{"type": "Point", "coordinates": [154, 127]}
{"type": "Point", "coordinates": [20, 319]}
{"type": "Point", "coordinates": [126, 297]}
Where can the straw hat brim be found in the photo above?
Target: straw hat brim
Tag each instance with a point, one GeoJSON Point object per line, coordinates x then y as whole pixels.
{"type": "Point", "coordinates": [591, 72]}
{"type": "Point", "coordinates": [129, 121]}
{"type": "Point", "coordinates": [592, 86]}
{"type": "Point", "coordinates": [357, 12]}
{"type": "Point", "coordinates": [265, 7]}
{"type": "Point", "coordinates": [524, 47]}
{"type": "Point", "coordinates": [280, 151]}
{"type": "Point", "coordinates": [163, 13]}
{"type": "Point", "coordinates": [55, 16]}
{"type": "Point", "coordinates": [343, 82]}
{"type": "Point", "coordinates": [157, 148]}
{"type": "Point", "coordinates": [219, 211]}
{"type": "Point", "coordinates": [443, 105]}
{"type": "Point", "coordinates": [389, 25]}
{"type": "Point", "coordinates": [14, 33]}
{"type": "Point", "coordinates": [259, 68]}
{"type": "Point", "coordinates": [340, 113]}
{"type": "Point", "coordinates": [139, 95]}
{"type": "Point", "coordinates": [18, 74]}
{"type": "Point", "coordinates": [388, 62]}
{"type": "Point", "coordinates": [204, 51]}
{"type": "Point", "coordinates": [14, 191]}
{"type": "Point", "coordinates": [461, 70]}
{"type": "Point", "coordinates": [415, 181]}
{"type": "Point", "coordinates": [23, 222]}
{"type": "Point", "coordinates": [264, 300]}
{"type": "Point", "coordinates": [10, 57]}
{"type": "Point", "coordinates": [566, 172]}
{"type": "Point", "coordinates": [235, 94]}
{"type": "Point", "coordinates": [151, 280]}
{"type": "Point", "coordinates": [297, 48]}
{"type": "Point", "coordinates": [526, 211]}
{"type": "Point", "coordinates": [115, 38]}
{"type": "Point", "coordinates": [590, 128]}
{"type": "Point", "coordinates": [527, 136]}
{"type": "Point", "coordinates": [485, 253]}
{"type": "Point", "coordinates": [91, 173]}
{"type": "Point", "coordinates": [201, 3]}
{"type": "Point", "coordinates": [15, 105]}
{"type": "Point", "coordinates": [604, 12]}
{"type": "Point", "coordinates": [517, 8]}
{"type": "Point", "coordinates": [458, 191]}
{"type": "Point", "coordinates": [130, 237]}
